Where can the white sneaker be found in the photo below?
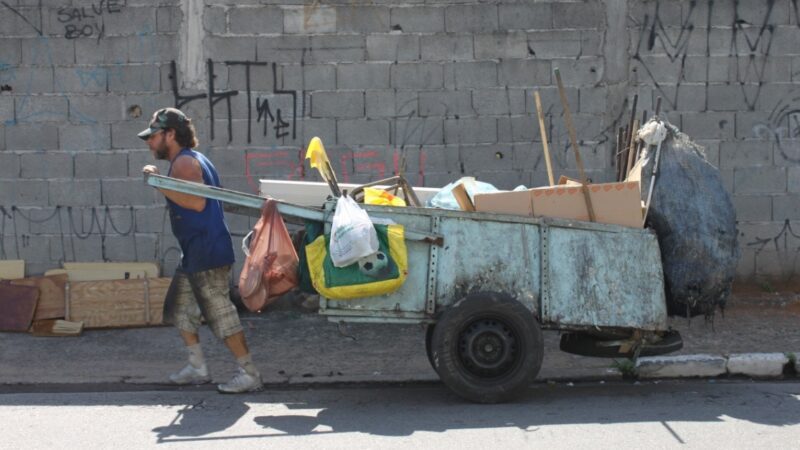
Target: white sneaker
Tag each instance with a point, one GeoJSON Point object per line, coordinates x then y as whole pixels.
{"type": "Point", "coordinates": [191, 375]}
{"type": "Point", "coordinates": [241, 382]}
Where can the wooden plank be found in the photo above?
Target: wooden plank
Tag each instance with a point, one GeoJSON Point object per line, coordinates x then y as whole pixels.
{"type": "Point", "coordinates": [17, 306]}
{"type": "Point", "coordinates": [117, 303]}
{"type": "Point", "coordinates": [107, 271]}
{"type": "Point", "coordinates": [51, 295]}
{"type": "Point", "coordinates": [12, 268]}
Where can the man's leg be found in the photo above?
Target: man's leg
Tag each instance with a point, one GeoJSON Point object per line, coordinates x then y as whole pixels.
{"type": "Point", "coordinates": [181, 309]}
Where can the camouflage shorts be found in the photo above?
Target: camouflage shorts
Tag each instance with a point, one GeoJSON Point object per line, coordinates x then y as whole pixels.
{"type": "Point", "coordinates": [194, 296]}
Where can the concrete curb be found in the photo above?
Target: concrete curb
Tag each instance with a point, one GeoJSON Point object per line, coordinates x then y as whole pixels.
{"type": "Point", "coordinates": [754, 365]}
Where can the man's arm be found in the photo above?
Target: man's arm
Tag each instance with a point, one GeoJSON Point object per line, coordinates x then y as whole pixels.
{"type": "Point", "coordinates": [183, 168]}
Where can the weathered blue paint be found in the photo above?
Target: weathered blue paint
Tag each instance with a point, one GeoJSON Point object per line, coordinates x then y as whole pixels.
{"type": "Point", "coordinates": [573, 275]}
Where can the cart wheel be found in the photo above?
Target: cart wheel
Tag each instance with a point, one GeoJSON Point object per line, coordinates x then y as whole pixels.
{"type": "Point", "coordinates": [428, 340]}
{"type": "Point", "coordinates": [487, 347]}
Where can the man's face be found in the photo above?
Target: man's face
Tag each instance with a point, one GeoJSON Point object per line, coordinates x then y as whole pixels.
{"type": "Point", "coordinates": [158, 144]}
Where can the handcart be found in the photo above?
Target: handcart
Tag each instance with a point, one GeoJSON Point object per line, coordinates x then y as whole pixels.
{"type": "Point", "coordinates": [486, 285]}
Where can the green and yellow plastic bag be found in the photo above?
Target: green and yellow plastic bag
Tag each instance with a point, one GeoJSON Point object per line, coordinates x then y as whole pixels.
{"type": "Point", "coordinates": [379, 274]}
{"type": "Point", "coordinates": [375, 196]}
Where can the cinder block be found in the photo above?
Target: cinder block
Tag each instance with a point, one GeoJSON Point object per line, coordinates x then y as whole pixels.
{"type": "Point", "coordinates": [132, 247]}
{"type": "Point", "coordinates": [168, 19]}
{"type": "Point", "coordinates": [337, 49]}
{"type": "Point", "coordinates": [526, 16]}
{"type": "Point", "coordinates": [418, 131]}
{"type": "Point", "coordinates": [74, 192]}
{"type": "Point", "coordinates": [85, 137]}
{"type": "Point", "coordinates": [755, 180]}
{"type": "Point", "coordinates": [135, 78]}
{"type": "Point", "coordinates": [152, 219]}
{"type": "Point", "coordinates": [13, 26]}
{"type": "Point", "coordinates": [418, 19]}
{"type": "Point", "coordinates": [127, 192]}
{"type": "Point", "coordinates": [81, 79]}
{"type": "Point", "coordinates": [753, 207]}
{"type": "Point", "coordinates": [23, 136]}
{"type": "Point", "coordinates": [101, 164]}
{"type": "Point", "coordinates": [29, 80]}
{"type": "Point", "coordinates": [470, 18]}
{"type": "Point", "coordinates": [109, 50]}
{"type": "Point", "coordinates": [589, 14]}
{"type": "Point", "coordinates": [479, 74]}
{"type": "Point", "coordinates": [449, 47]}
{"type": "Point", "coordinates": [46, 165]}
{"type": "Point", "coordinates": [447, 103]}
{"type": "Point", "coordinates": [153, 48]}
{"type": "Point", "coordinates": [6, 110]}
{"type": "Point", "coordinates": [230, 48]}
{"type": "Point", "coordinates": [770, 96]}
{"type": "Point", "coordinates": [23, 192]}
{"type": "Point", "coordinates": [393, 47]}
{"type": "Point", "coordinates": [745, 154]}
{"type": "Point", "coordinates": [140, 158]}
{"type": "Point", "coordinates": [10, 50]}
{"type": "Point", "coordinates": [337, 104]}
{"type": "Point", "coordinates": [308, 20]}
{"type": "Point", "coordinates": [44, 52]}
{"type": "Point", "coordinates": [593, 100]}
{"type": "Point", "coordinates": [794, 179]}
{"type": "Point", "coordinates": [519, 129]}
{"type": "Point", "coordinates": [501, 45]}
{"type": "Point", "coordinates": [363, 76]}
{"type": "Point", "coordinates": [581, 71]}
{"type": "Point", "coordinates": [380, 103]}
{"type": "Point", "coordinates": [362, 19]}
{"type": "Point", "coordinates": [554, 44]}
{"type": "Point", "coordinates": [780, 264]}
{"type": "Point", "coordinates": [684, 366]}
{"type": "Point", "coordinates": [592, 44]}
{"type": "Point", "coordinates": [215, 20]}
{"type": "Point", "coordinates": [686, 97]}
{"type": "Point", "coordinates": [729, 97]}
{"type": "Point", "coordinates": [123, 134]}
{"type": "Point", "coordinates": [709, 125]}
{"type": "Point", "coordinates": [9, 165]}
{"type": "Point", "coordinates": [524, 73]}
{"type": "Point", "coordinates": [90, 109]}
{"type": "Point", "coordinates": [481, 130]}
{"type": "Point", "coordinates": [417, 76]}
{"type": "Point", "coordinates": [322, 128]}
{"type": "Point", "coordinates": [757, 365]}
{"type": "Point", "coordinates": [131, 20]}
{"type": "Point", "coordinates": [37, 108]}
{"type": "Point", "coordinates": [37, 248]}
{"type": "Point", "coordinates": [313, 77]}
{"type": "Point", "coordinates": [256, 20]}
{"type": "Point", "coordinates": [362, 132]}
{"type": "Point", "coordinates": [784, 207]}
{"type": "Point", "coordinates": [282, 48]}
{"type": "Point", "coordinates": [491, 101]}
{"type": "Point", "coordinates": [487, 158]}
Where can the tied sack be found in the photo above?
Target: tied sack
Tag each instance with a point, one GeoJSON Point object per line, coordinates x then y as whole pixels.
{"type": "Point", "coordinates": [352, 234]}
{"type": "Point", "coordinates": [270, 269]}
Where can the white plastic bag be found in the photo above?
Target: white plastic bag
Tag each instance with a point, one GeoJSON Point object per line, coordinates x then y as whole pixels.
{"type": "Point", "coordinates": [352, 234]}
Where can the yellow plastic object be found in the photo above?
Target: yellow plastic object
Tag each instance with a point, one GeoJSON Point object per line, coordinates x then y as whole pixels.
{"type": "Point", "coordinates": [375, 196]}
{"type": "Point", "coordinates": [319, 158]}
{"type": "Point", "coordinates": [316, 253]}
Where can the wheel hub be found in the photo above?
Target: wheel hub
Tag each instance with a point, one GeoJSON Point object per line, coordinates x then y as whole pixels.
{"type": "Point", "coordinates": [488, 348]}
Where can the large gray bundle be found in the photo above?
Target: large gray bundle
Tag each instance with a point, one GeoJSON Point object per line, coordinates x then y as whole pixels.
{"type": "Point", "coordinates": [692, 214]}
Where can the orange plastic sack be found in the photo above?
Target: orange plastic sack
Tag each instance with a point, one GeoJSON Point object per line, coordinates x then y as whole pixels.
{"type": "Point", "coordinates": [270, 269]}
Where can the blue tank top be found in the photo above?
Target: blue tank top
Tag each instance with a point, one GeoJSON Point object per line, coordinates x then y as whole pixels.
{"type": "Point", "coordinates": [203, 236]}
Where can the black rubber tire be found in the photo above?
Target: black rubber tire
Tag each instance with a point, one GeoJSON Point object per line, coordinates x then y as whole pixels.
{"type": "Point", "coordinates": [487, 347]}
{"type": "Point", "coordinates": [585, 344]}
{"type": "Point", "coordinates": [428, 345]}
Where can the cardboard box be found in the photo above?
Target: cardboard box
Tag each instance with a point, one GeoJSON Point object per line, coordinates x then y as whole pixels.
{"type": "Point", "coordinates": [614, 203]}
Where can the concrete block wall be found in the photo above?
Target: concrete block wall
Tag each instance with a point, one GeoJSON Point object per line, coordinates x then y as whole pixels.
{"type": "Point", "coordinates": [446, 86]}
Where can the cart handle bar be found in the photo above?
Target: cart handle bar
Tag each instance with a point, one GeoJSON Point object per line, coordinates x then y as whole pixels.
{"type": "Point", "coordinates": [257, 202]}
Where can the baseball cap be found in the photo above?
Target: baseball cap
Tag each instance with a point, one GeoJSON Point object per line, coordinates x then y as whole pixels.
{"type": "Point", "coordinates": [164, 118]}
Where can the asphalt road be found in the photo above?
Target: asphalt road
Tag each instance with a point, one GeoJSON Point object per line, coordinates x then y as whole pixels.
{"type": "Point", "coordinates": [688, 414]}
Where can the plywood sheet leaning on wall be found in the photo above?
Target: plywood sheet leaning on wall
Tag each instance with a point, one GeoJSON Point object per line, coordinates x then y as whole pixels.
{"type": "Point", "coordinates": [17, 305]}
{"type": "Point", "coordinates": [51, 295]}
{"type": "Point", "coordinates": [117, 303]}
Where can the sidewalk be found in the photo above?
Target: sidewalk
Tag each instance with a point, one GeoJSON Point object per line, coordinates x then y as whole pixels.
{"type": "Point", "coordinates": [295, 348]}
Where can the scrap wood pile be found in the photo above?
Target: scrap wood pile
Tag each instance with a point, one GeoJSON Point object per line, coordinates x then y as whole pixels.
{"type": "Point", "coordinates": [63, 302]}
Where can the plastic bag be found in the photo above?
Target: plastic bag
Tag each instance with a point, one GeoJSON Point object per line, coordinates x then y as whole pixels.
{"type": "Point", "coordinates": [352, 233]}
{"type": "Point", "coordinates": [270, 269]}
{"type": "Point", "coordinates": [375, 196]}
{"type": "Point", "coordinates": [444, 198]}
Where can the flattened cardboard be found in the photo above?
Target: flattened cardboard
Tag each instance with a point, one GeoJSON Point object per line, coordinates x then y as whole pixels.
{"type": "Point", "coordinates": [514, 202]}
